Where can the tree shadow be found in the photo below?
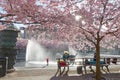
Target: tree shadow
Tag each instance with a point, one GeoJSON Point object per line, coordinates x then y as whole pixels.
{"type": "Point", "coordinates": [73, 77]}
{"type": "Point", "coordinates": [108, 76]}
{"type": "Point", "coordinates": [61, 72]}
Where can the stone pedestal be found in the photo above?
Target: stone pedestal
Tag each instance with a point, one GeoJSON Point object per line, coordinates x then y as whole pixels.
{"type": "Point", "coordinates": [8, 45]}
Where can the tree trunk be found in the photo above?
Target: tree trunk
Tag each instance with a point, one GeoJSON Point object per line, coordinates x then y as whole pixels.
{"type": "Point", "coordinates": [98, 72]}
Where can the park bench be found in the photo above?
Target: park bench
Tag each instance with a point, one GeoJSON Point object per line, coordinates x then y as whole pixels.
{"type": "Point", "coordinates": [90, 62]}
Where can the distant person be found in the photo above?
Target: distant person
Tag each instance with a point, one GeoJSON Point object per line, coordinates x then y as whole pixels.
{"type": "Point", "coordinates": [86, 62]}
{"type": "Point", "coordinates": [47, 60]}
{"type": "Point", "coordinates": [94, 59]}
{"type": "Point", "coordinates": [66, 56]}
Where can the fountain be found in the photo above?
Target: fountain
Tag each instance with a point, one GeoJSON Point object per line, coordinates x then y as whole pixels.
{"type": "Point", "coordinates": [35, 52]}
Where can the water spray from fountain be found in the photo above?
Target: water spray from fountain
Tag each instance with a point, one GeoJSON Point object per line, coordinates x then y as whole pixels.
{"type": "Point", "coordinates": [35, 52]}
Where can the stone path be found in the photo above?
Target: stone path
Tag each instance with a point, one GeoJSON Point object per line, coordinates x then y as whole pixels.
{"type": "Point", "coordinates": [49, 75]}
{"type": "Point", "coordinates": [48, 72]}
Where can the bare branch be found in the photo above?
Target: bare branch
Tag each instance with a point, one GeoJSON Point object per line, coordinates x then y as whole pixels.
{"type": "Point", "coordinates": [5, 21]}
{"type": "Point", "coordinates": [7, 15]}
{"type": "Point", "coordinates": [102, 16]}
{"type": "Point", "coordinates": [89, 39]}
{"type": "Point", "coordinates": [10, 4]}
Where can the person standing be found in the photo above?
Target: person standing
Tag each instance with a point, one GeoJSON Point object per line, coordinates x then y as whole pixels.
{"type": "Point", "coordinates": [47, 60]}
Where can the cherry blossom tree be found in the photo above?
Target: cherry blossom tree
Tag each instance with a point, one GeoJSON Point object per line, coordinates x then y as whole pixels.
{"type": "Point", "coordinates": [98, 21]}
{"type": "Point", "coordinates": [99, 24]}
{"type": "Point", "coordinates": [21, 43]}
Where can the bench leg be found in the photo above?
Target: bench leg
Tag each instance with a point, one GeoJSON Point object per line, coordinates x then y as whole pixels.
{"type": "Point", "coordinates": [107, 68]}
{"type": "Point", "coordinates": [85, 69]}
{"type": "Point", "coordinates": [90, 67]}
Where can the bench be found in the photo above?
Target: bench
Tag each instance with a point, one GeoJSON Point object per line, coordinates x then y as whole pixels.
{"type": "Point", "coordinates": [91, 63]}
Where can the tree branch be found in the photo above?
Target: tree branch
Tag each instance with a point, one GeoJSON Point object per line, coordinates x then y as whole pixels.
{"type": "Point", "coordinates": [4, 21]}
{"type": "Point", "coordinates": [7, 15]}
{"type": "Point", "coordinates": [102, 16]}
{"type": "Point", "coordinates": [89, 39]}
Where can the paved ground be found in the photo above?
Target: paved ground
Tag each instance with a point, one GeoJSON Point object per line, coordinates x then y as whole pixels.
{"type": "Point", "coordinates": [44, 72]}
